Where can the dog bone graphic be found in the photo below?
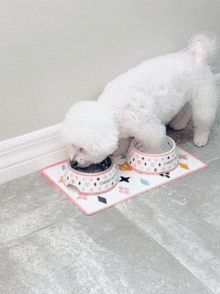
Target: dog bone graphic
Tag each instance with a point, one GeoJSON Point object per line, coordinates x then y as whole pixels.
{"type": "Point", "coordinates": [124, 190]}
{"type": "Point", "coordinates": [125, 166]}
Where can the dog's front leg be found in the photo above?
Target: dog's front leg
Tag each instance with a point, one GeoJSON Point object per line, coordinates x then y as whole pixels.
{"type": "Point", "coordinates": [123, 146]}
{"type": "Point", "coordinates": [180, 121]}
{"type": "Point", "coordinates": [151, 136]}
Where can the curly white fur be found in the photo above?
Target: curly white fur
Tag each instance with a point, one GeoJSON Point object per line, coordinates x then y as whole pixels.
{"type": "Point", "coordinates": [140, 102]}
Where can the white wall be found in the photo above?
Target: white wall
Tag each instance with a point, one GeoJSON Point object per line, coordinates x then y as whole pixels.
{"type": "Point", "coordinates": [56, 52]}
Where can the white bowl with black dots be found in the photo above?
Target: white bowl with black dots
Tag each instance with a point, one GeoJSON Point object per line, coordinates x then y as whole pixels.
{"type": "Point", "coordinates": [92, 181]}
{"type": "Point", "coordinates": [154, 164]}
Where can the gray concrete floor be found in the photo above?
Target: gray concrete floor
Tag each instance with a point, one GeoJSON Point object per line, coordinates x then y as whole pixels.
{"type": "Point", "coordinates": [164, 241]}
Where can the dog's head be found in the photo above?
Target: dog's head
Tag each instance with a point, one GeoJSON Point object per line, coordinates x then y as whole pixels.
{"type": "Point", "coordinates": [90, 132]}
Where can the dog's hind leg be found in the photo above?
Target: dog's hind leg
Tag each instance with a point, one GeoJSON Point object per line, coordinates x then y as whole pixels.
{"type": "Point", "coordinates": [180, 120]}
{"type": "Point", "coordinates": [204, 108]}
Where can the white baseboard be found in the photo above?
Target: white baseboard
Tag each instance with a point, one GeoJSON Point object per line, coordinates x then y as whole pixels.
{"type": "Point", "coordinates": [29, 153]}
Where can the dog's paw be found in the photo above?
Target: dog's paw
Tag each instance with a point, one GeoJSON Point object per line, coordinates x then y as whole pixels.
{"type": "Point", "coordinates": [120, 150]}
{"type": "Point", "coordinates": [200, 140]}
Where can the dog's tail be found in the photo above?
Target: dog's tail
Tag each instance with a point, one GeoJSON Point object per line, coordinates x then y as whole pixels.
{"type": "Point", "coordinates": [203, 47]}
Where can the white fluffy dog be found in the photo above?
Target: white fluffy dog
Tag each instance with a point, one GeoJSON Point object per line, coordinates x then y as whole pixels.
{"type": "Point", "coordinates": [140, 102]}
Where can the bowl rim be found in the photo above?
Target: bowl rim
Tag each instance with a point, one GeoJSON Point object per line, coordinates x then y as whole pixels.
{"type": "Point", "coordinates": [92, 174]}
{"type": "Point", "coordinates": [155, 155]}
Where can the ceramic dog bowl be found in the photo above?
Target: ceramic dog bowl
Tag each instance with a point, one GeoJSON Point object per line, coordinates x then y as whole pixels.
{"type": "Point", "coordinates": [154, 163]}
{"type": "Point", "coordinates": [92, 182]}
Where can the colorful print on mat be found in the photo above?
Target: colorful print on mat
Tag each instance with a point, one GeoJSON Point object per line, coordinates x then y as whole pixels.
{"type": "Point", "coordinates": [131, 183]}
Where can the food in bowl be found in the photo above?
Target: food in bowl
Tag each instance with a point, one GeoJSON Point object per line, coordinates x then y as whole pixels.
{"type": "Point", "coordinates": [93, 168]}
{"type": "Point", "coordinates": [94, 179]}
{"type": "Point", "coordinates": [151, 164]}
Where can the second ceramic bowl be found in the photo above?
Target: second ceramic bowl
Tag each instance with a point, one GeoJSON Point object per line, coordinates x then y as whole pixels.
{"type": "Point", "coordinates": [154, 163]}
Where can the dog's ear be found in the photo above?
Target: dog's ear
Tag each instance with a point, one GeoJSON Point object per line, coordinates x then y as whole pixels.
{"type": "Point", "coordinates": [71, 151]}
{"type": "Point", "coordinates": [92, 126]}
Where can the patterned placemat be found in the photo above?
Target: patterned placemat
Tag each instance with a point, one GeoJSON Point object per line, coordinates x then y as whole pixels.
{"type": "Point", "coordinates": [131, 183]}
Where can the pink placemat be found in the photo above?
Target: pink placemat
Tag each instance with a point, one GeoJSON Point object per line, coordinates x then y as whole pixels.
{"type": "Point", "coordinates": [131, 183]}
